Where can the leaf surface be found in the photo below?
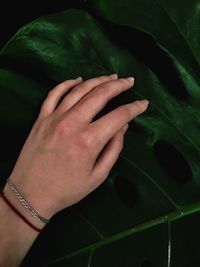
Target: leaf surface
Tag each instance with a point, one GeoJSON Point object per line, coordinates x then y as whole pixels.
{"type": "Point", "coordinates": [146, 213]}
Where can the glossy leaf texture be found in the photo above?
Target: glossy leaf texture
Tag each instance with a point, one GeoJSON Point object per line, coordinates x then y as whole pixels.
{"type": "Point", "coordinates": [146, 213]}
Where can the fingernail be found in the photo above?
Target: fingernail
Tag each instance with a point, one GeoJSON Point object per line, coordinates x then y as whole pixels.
{"type": "Point", "coordinates": [131, 79]}
{"type": "Point", "coordinates": [79, 78]}
{"type": "Point", "coordinates": [124, 129]}
{"type": "Point", "coordinates": [114, 76]}
{"type": "Point", "coordinates": [144, 102]}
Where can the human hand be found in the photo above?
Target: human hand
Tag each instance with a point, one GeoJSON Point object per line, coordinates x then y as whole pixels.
{"type": "Point", "coordinates": [66, 155]}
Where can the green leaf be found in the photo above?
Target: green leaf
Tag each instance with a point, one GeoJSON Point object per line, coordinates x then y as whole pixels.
{"type": "Point", "coordinates": [146, 213]}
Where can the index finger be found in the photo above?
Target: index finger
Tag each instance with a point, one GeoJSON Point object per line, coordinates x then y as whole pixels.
{"type": "Point", "coordinates": [107, 126]}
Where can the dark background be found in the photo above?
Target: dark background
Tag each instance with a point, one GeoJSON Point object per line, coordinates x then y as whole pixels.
{"type": "Point", "coordinates": [14, 14]}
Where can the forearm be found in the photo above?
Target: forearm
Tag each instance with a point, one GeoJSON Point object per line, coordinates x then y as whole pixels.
{"type": "Point", "coordinates": [16, 237]}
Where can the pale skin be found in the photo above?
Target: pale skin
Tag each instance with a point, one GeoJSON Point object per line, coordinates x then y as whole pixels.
{"type": "Point", "coordinates": [59, 164]}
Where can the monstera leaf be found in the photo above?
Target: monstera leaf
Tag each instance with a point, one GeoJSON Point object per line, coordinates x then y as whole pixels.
{"type": "Point", "coordinates": [146, 213]}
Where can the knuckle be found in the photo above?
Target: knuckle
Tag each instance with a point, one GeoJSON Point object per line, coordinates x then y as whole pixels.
{"type": "Point", "coordinates": [102, 90]}
{"type": "Point", "coordinates": [77, 88]}
{"type": "Point", "coordinates": [125, 111]}
{"type": "Point", "coordinates": [85, 139]}
{"type": "Point", "coordinates": [60, 126]}
{"type": "Point", "coordinates": [100, 87]}
{"type": "Point", "coordinates": [73, 116]}
{"type": "Point", "coordinates": [94, 94]}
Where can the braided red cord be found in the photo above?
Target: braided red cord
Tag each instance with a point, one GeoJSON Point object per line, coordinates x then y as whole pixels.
{"type": "Point", "coordinates": [18, 213]}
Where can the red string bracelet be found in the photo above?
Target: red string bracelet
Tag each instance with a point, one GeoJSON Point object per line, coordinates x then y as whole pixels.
{"type": "Point", "coordinates": [18, 213]}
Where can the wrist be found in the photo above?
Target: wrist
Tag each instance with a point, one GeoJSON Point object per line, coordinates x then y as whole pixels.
{"type": "Point", "coordinates": [15, 206]}
{"type": "Point", "coordinates": [35, 194]}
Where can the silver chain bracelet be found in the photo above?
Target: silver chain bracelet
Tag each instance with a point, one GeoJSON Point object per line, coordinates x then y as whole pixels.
{"type": "Point", "coordinates": [26, 205]}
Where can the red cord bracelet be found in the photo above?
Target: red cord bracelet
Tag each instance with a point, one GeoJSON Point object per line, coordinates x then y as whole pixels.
{"type": "Point", "coordinates": [18, 213]}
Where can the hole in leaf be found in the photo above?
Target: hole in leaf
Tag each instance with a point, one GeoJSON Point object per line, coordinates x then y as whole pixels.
{"type": "Point", "coordinates": [126, 190]}
{"type": "Point", "coordinates": [145, 263]}
{"type": "Point", "coordinates": [172, 161]}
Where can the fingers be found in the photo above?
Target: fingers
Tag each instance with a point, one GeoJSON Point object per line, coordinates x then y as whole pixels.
{"type": "Point", "coordinates": [81, 90]}
{"type": "Point", "coordinates": [55, 94]}
{"type": "Point", "coordinates": [93, 102]}
{"type": "Point", "coordinates": [108, 158]}
{"type": "Point", "coordinates": [114, 121]}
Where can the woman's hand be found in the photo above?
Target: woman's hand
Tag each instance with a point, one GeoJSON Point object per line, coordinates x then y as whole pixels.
{"type": "Point", "coordinates": [59, 163]}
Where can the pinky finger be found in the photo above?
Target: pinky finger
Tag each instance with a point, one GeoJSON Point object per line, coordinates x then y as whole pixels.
{"type": "Point", "coordinates": [108, 158]}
